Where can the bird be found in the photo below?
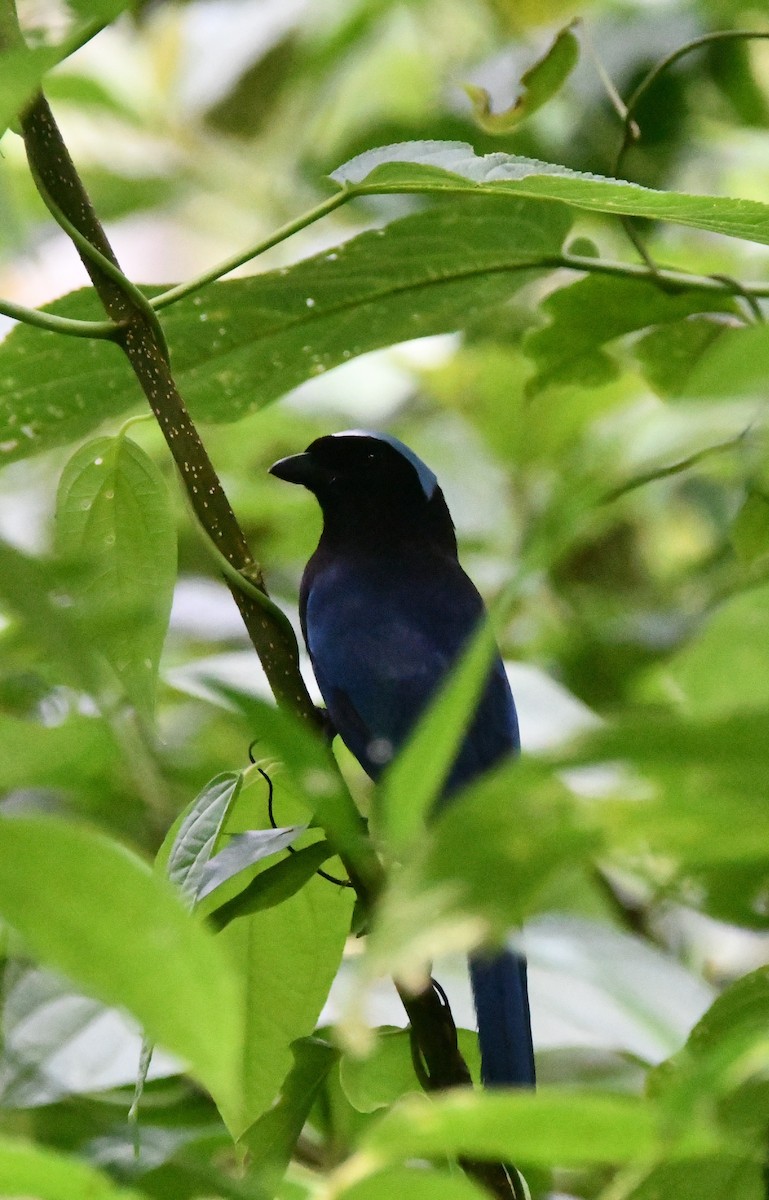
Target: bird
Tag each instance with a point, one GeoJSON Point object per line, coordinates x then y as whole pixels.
{"type": "Point", "coordinates": [386, 610]}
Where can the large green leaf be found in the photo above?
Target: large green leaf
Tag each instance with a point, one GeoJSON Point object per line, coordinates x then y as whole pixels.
{"type": "Point", "coordinates": [242, 343]}
{"type": "Point", "coordinates": [387, 1073]}
{"type": "Point", "coordinates": [721, 1071]}
{"type": "Point", "coordinates": [586, 315]}
{"type": "Point", "coordinates": [724, 667]}
{"type": "Point", "coordinates": [697, 806]}
{"type": "Point", "coordinates": [549, 1128]}
{"type": "Point", "coordinates": [28, 1170]}
{"type": "Point", "coordinates": [271, 1140]}
{"type": "Point", "coordinates": [455, 167]}
{"type": "Point", "coordinates": [708, 1178]}
{"type": "Point", "coordinates": [114, 516]}
{"type": "Point", "coordinates": [516, 824]}
{"type": "Point", "coordinates": [79, 750]}
{"type": "Point", "coordinates": [287, 957]}
{"type": "Point", "coordinates": [674, 356]}
{"type": "Point", "coordinates": [88, 907]}
{"type": "Point", "coordinates": [713, 360]}
{"type": "Point", "coordinates": [408, 1183]}
{"type": "Point", "coordinates": [413, 783]}
{"type": "Point", "coordinates": [38, 594]}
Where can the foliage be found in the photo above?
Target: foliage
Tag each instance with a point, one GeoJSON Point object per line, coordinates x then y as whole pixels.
{"type": "Point", "coordinates": [561, 307]}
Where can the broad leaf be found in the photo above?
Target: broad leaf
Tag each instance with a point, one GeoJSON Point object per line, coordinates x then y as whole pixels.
{"type": "Point", "coordinates": [28, 1170]}
{"type": "Point", "coordinates": [454, 167]}
{"type": "Point", "coordinates": [80, 750]}
{"type": "Point", "coordinates": [671, 355]}
{"type": "Point", "coordinates": [731, 364]}
{"type": "Point", "coordinates": [245, 342]}
{"type": "Point", "coordinates": [413, 1184]}
{"type": "Point", "coordinates": [113, 514]}
{"type": "Point", "coordinates": [546, 1129]}
{"type": "Point", "coordinates": [724, 666]}
{"type": "Point", "coordinates": [587, 315]}
{"type": "Point", "coordinates": [707, 1178]}
{"type": "Point", "coordinates": [271, 1140]}
{"type": "Point", "coordinates": [274, 885]}
{"type": "Point", "coordinates": [514, 825]}
{"type": "Point", "coordinates": [243, 851]}
{"type": "Point", "coordinates": [193, 839]}
{"type": "Point", "coordinates": [387, 1073]}
{"type": "Point", "coordinates": [287, 957]}
{"type": "Point", "coordinates": [67, 890]}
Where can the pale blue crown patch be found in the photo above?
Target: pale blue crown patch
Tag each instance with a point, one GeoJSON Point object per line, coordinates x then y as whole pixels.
{"type": "Point", "coordinates": [427, 478]}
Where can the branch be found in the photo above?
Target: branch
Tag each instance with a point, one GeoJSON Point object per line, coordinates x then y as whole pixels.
{"type": "Point", "coordinates": [139, 340]}
{"type": "Point", "coordinates": [105, 330]}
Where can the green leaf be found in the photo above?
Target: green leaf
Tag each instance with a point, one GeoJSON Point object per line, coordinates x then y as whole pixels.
{"type": "Point", "coordinates": [454, 167]}
{"type": "Point", "coordinates": [733, 364]}
{"type": "Point", "coordinates": [671, 354]}
{"type": "Point", "coordinates": [274, 885]}
{"type": "Point", "coordinates": [113, 513]}
{"type": "Point", "coordinates": [271, 1140]}
{"type": "Point", "coordinates": [79, 750]}
{"type": "Point", "coordinates": [28, 1170]}
{"type": "Point", "coordinates": [721, 1071]}
{"type": "Point", "coordinates": [288, 956]}
{"type": "Point", "coordinates": [243, 851]}
{"type": "Point", "coordinates": [387, 1073]}
{"type": "Point", "coordinates": [724, 667]}
{"type": "Point", "coordinates": [592, 312]}
{"type": "Point", "coordinates": [90, 908]}
{"type": "Point", "coordinates": [413, 783]}
{"type": "Point", "coordinates": [192, 839]}
{"type": "Point", "coordinates": [517, 823]}
{"type": "Point", "coordinates": [245, 342]}
{"type": "Point", "coordinates": [707, 1178]}
{"type": "Point", "coordinates": [750, 531]}
{"type": "Point", "coordinates": [38, 594]}
{"type": "Point", "coordinates": [739, 1011]}
{"type": "Point", "coordinates": [703, 791]}
{"type": "Point", "coordinates": [413, 1184]}
{"type": "Point", "coordinates": [545, 1129]}
{"type": "Point", "coordinates": [22, 68]}
{"type": "Point", "coordinates": [538, 85]}
{"type": "Point", "coordinates": [310, 770]}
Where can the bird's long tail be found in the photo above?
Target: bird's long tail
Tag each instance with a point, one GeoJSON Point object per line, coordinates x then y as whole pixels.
{"type": "Point", "coordinates": [504, 1022]}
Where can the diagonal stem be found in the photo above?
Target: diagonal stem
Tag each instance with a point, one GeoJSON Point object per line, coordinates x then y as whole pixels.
{"type": "Point", "coordinates": [139, 341]}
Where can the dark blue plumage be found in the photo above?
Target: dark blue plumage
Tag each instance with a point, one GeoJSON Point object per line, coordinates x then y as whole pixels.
{"type": "Point", "coordinates": [386, 610]}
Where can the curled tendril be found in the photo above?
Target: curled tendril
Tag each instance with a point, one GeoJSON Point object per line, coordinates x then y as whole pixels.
{"type": "Point", "coordinates": [271, 813]}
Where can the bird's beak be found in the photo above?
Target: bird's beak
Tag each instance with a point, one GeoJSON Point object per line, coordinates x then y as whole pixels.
{"type": "Point", "coordinates": [302, 468]}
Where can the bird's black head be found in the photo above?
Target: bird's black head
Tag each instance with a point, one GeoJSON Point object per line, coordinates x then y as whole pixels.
{"type": "Point", "coordinates": [372, 489]}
